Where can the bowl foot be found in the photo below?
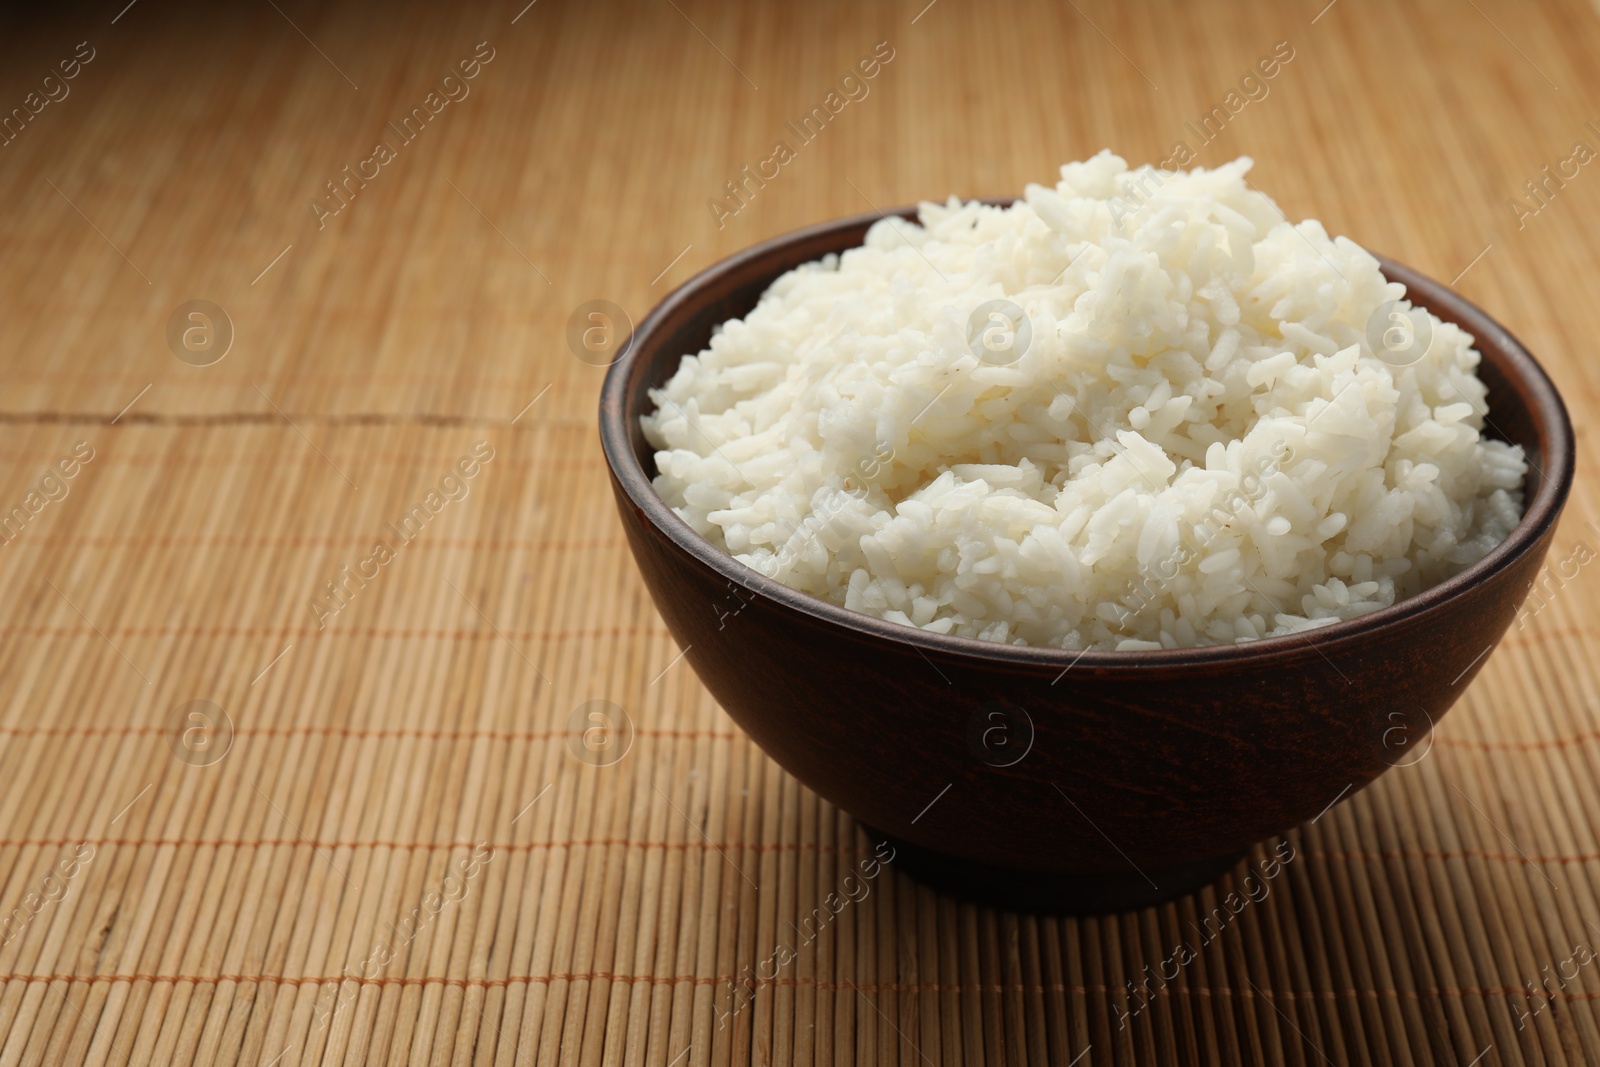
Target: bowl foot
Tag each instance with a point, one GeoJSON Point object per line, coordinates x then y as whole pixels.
{"type": "Point", "coordinates": [1046, 891]}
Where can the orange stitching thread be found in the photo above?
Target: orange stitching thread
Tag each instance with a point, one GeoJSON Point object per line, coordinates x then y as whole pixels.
{"type": "Point", "coordinates": [334, 629]}
{"type": "Point", "coordinates": [432, 846]}
{"type": "Point", "coordinates": [820, 984]}
{"type": "Point", "coordinates": [704, 846]}
{"type": "Point", "coordinates": [346, 732]}
{"type": "Point", "coordinates": [469, 735]}
{"type": "Point", "coordinates": [350, 541]}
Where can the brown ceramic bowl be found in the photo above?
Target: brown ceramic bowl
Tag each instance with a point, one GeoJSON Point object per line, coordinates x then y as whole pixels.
{"type": "Point", "coordinates": [1042, 778]}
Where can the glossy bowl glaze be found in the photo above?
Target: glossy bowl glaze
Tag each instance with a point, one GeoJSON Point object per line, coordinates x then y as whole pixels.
{"type": "Point", "coordinates": [1075, 781]}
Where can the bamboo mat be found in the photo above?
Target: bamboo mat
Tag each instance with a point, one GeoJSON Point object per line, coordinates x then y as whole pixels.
{"type": "Point", "coordinates": [373, 839]}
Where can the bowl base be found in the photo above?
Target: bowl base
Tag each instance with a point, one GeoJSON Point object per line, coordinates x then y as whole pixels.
{"type": "Point", "coordinates": [1053, 892]}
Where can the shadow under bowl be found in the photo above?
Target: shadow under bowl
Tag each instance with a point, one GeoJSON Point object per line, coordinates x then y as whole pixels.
{"type": "Point", "coordinates": [1054, 780]}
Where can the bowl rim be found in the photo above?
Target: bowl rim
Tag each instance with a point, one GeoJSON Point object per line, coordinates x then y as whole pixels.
{"type": "Point", "coordinates": [1551, 423]}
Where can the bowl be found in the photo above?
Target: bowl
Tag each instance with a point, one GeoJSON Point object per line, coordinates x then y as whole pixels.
{"type": "Point", "coordinates": [1044, 779]}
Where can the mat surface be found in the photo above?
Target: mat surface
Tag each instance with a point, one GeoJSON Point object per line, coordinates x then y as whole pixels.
{"type": "Point", "coordinates": [269, 796]}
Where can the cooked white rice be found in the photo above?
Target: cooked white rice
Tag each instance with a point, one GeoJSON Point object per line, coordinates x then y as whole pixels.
{"type": "Point", "coordinates": [1198, 444]}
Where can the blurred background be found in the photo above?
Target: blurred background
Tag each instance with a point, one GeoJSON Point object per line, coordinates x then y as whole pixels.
{"type": "Point", "coordinates": [277, 275]}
